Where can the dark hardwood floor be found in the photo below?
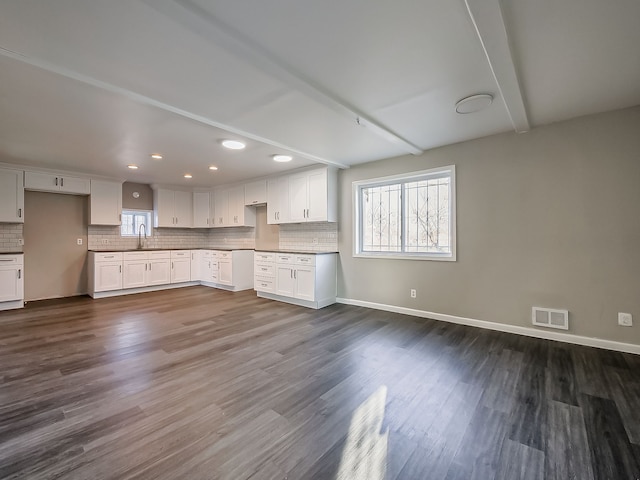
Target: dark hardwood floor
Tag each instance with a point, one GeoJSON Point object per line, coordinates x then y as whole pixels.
{"type": "Point", "coordinates": [198, 383]}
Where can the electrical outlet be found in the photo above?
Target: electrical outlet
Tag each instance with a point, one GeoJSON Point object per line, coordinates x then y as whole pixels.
{"type": "Point", "coordinates": [79, 241]}
{"type": "Point", "coordinates": [21, 241]}
{"type": "Point", "coordinates": [625, 319]}
{"type": "Point", "coordinates": [413, 293]}
{"type": "Point", "coordinates": [314, 241]}
{"type": "Point", "coordinates": [105, 241]}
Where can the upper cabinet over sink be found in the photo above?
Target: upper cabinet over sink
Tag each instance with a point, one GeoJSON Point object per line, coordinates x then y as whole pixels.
{"type": "Point", "coordinates": [172, 208]}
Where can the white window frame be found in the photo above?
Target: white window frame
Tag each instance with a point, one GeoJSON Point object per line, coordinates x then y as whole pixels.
{"type": "Point", "coordinates": [148, 213]}
{"type": "Point", "coordinates": [357, 187]}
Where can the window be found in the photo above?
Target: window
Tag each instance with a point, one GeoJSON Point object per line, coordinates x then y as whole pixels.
{"type": "Point", "coordinates": [406, 216]}
{"type": "Point", "coordinates": [131, 221]}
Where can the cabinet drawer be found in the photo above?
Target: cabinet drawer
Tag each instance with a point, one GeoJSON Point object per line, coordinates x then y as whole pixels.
{"type": "Point", "coordinates": [285, 258]}
{"type": "Point", "coordinates": [265, 269]}
{"type": "Point", "coordinates": [10, 260]}
{"type": "Point", "coordinates": [180, 253]}
{"type": "Point", "coordinates": [108, 257]}
{"type": "Point", "coordinates": [160, 254]}
{"type": "Point", "coordinates": [262, 284]}
{"type": "Point", "coordinates": [136, 255]}
{"type": "Point", "coordinates": [264, 256]}
{"type": "Point", "coordinates": [305, 259]}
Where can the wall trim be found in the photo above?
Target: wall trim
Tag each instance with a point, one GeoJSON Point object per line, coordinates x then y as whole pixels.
{"type": "Point", "coordinates": [500, 327]}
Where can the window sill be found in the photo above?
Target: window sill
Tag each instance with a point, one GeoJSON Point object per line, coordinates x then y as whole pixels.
{"type": "Point", "coordinates": [449, 257]}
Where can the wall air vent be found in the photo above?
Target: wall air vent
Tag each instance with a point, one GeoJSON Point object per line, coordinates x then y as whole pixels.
{"type": "Point", "coordinates": [550, 317]}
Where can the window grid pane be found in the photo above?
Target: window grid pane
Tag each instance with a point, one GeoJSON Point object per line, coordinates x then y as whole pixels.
{"type": "Point", "coordinates": [132, 220]}
{"type": "Point", "coordinates": [412, 217]}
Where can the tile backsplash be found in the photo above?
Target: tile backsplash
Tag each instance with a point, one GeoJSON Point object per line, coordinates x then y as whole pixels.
{"type": "Point", "coordinates": [299, 236]}
{"type": "Point", "coordinates": [11, 236]}
{"type": "Point", "coordinates": [315, 237]}
{"type": "Point", "coordinates": [172, 238]}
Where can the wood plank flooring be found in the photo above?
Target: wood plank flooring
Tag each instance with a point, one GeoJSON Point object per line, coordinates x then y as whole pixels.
{"type": "Point", "coordinates": [198, 383]}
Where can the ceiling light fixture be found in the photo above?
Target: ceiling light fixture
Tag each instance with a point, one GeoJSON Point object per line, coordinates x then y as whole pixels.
{"type": "Point", "coordinates": [213, 167]}
{"type": "Point", "coordinates": [132, 167]}
{"type": "Point", "coordinates": [473, 103]}
{"type": "Point", "coordinates": [233, 144]}
{"type": "Point", "coordinates": [282, 158]}
{"type": "Point", "coordinates": [156, 156]}
{"type": "Point", "coordinates": [188, 175]}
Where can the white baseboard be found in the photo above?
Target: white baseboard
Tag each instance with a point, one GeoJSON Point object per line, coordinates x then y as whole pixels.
{"type": "Point", "coordinates": [500, 327]}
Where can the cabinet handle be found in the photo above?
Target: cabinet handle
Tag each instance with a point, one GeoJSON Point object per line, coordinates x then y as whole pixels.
{"type": "Point", "coordinates": [171, 265]}
{"type": "Point", "coordinates": [145, 266]}
{"type": "Point", "coordinates": [19, 273]}
{"type": "Point", "coordinates": [19, 213]}
{"type": "Point", "coordinates": [120, 268]}
{"type": "Point", "coordinates": [108, 256]}
{"type": "Point", "coordinates": [62, 182]}
{"type": "Point", "coordinates": [295, 274]}
{"type": "Point", "coordinates": [6, 260]}
{"type": "Point", "coordinates": [255, 201]}
{"type": "Point", "coordinates": [149, 267]}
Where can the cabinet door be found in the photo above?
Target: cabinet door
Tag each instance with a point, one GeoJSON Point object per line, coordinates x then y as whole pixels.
{"type": "Point", "coordinates": [11, 196]}
{"type": "Point", "coordinates": [159, 271]}
{"type": "Point", "coordinates": [201, 209]}
{"type": "Point", "coordinates": [225, 272]}
{"type": "Point", "coordinates": [135, 273]}
{"type": "Point", "coordinates": [164, 204]}
{"type": "Point", "coordinates": [196, 265]}
{"type": "Point", "coordinates": [44, 182]}
{"type": "Point", "coordinates": [183, 209]}
{"type": "Point", "coordinates": [79, 186]}
{"type": "Point", "coordinates": [236, 206]}
{"type": "Point", "coordinates": [298, 197]}
{"type": "Point", "coordinates": [108, 276]}
{"type": "Point", "coordinates": [221, 207]}
{"type": "Point", "coordinates": [255, 193]}
{"type": "Point", "coordinates": [11, 283]}
{"type": "Point", "coordinates": [180, 270]}
{"type": "Point", "coordinates": [317, 195]}
{"type": "Point", "coordinates": [305, 278]}
{"type": "Point", "coordinates": [278, 201]}
{"type": "Point", "coordinates": [105, 203]}
{"type": "Point", "coordinates": [284, 280]}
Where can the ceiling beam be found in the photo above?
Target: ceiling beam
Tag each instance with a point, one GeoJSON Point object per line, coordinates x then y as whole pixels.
{"type": "Point", "coordinates": [200, 21]}
{"type": "Point", "coordinates": [487, 18]}
{"type": "Point", "coordinates": [144, 100]}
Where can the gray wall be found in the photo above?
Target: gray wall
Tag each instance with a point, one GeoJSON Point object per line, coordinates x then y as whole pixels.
{"type": "Point", "coordinates": [143, 202]}
{"type": "Point", "coordinates": [54, 264]}
{"type": "Point", "coordinates": [548, 218]}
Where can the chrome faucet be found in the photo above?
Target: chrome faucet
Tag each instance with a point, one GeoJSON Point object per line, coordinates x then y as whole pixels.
{"type": "Point", "coordinates": [140, 235]}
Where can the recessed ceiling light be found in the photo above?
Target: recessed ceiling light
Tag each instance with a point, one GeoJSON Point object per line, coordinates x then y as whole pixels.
{"type": "Point", "coordinates": [156, 156]}
{"type": "Point", "coordinates": [282, 158]}
{"type": "Point", "coordinates": [132, 167]}
{"type": "Point", "coordinates": [188, 175]}
{"type": "Point", "coordinates": [213, 167]}
{"type": "Point", "coordinates": [473, 103]}
{"type": "Point", "coordinates": [233, 144]}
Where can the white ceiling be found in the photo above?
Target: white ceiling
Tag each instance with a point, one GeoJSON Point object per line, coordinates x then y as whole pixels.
{"type": "Point", "coordinates": [94, 86]}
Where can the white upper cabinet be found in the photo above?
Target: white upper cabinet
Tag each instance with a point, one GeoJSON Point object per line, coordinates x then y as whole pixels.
{"type": "Point", "coordinates": [105, 203]}
{"type": "Point", "coordinates": [230, 209]}
{"type": "Point", "coordinates": [255, 193]}
{"type": "Point", "coordinates": [201, 214]}
{"type": "Point", "coordinates": [11, 196]}
{"type": "Point", "coordinates": [278, 200]}
{"type": "Point", "coordinates": [313, 196]}
{"type": "Point", "coordinates": [172, 208]}
{"type": "Point", "coordinates": [56, 183]}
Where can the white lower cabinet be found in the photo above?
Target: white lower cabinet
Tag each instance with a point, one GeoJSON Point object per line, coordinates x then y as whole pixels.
{"type": "Point", "coordinates": [303, 279]}
{"type": "Point", "coordinates": [11, 281]}
{"type": "Point", "coordinates": [105, 271]}
{"type": "Point", "coordinates": [159, 267]}
{"type": "Point", "coordinates": [180, 266]}
{"type": "Point", "coordinates": [135, 268]}
{"type": "Point", "coordinates": [230, 270]}
{"type": "Point", "coordinates": [197, 264]}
